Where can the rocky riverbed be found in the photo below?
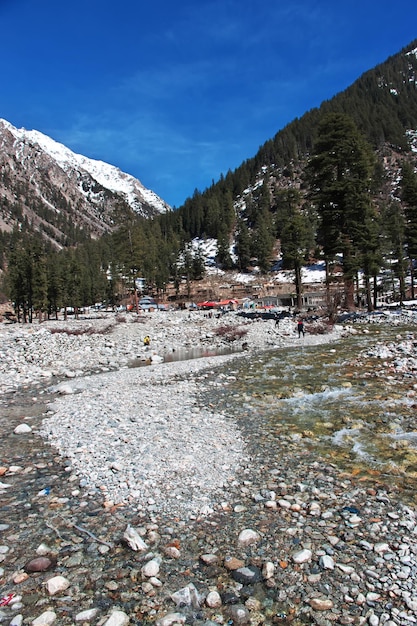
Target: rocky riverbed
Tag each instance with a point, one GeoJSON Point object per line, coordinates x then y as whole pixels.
{"type": "Point", "coordinates": [125, 500]}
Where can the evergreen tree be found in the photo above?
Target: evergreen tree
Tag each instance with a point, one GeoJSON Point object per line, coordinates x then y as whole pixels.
{"type": "Point", "coordinates": [296, 239]}
{"type": "Point", "coordinates": [243, 246]}
{"type": "Point", "coordinates": [54, 290]}
{"type": "Point", "coordinates": [393, 238]}
{"type": "Point", "coordinates": [409, 196]}
{"type": "Point", "coordinates": [263, 240]}
{"type": "Point", "coordinates": [223, 251]}
{"type": "Point", "coordinates": [339, 175]}
{"type": "Point", "coordinates": [39, 278]}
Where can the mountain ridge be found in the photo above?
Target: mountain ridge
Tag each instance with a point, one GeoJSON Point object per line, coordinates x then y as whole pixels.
{"type": "Point", "coordinates": [44, 182]}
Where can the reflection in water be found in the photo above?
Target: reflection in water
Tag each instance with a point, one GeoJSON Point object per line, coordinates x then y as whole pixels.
{"type": "Point", "coordinates": [184, 354]}
{"type": "Point", "coordinates": [352, 414]}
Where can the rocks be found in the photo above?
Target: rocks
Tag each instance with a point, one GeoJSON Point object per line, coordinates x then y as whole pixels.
{"type": "Point", "coordinates": [117, 618]}
{"type": "Point", "coordinates": [151, 568]}
{"type": "Point", "coordinates": [321, 604]}
{"type": "Point", "coordinates": [134, 540]}
{"type": "Point", "coordinates": [247, 537]}
{"type": "Point", "coordinates": [40, 564]}
{"type": "Point", "coordinates": [22, 429]}
{"type": "Point", "coordinates": [213, 600]}
{"type": "Point", "coordinates": [57, 584]}
{"type": "Point", "coordinates": [302, 556]}
{"type": "Point", "coordinates": [171, 619]}
{"type": "Point", "coordinates": [68, 350]}
{"type": "Point", "coordinates": [247, 575]}
{"type": "Point", "coordinates": [163, 509]}
{"type": "Point", "coordinates": [45, 619]}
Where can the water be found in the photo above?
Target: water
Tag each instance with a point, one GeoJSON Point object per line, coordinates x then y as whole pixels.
{"type": "Point", "coordinates": [184, 354]}
{"type": "Point", "coordinates": [351, 411]}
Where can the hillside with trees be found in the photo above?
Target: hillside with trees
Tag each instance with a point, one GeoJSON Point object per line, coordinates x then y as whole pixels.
{"type": "Point", "coordinates": [338, 184]}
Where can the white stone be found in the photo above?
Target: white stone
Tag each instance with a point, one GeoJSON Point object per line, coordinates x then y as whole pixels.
{"type": "Point", "coordinates": [57, 584]}
{"type": "Point", "coordinates": [302, 556]}
{"type": "Point", "coordinates": [209, 559]}
{"type": "Point", "coordinates": [381, 547]}
{"type": "Point", "coordinates": [172, 552]}
{"type": "Point", "coordinates": [170, 619]}
{"type": "Point", "coordinates": [327, 562]}
{"type": "Point", "coordinates": [247, 537]}
{"type": "Point", "coordinates": [346, 569]}
{"type": "Point", "coordinates": [47, 618]}
{"type": "Point", "coordinates": [65, 389]}
{"type": "Point", "coordinates": [117, 618]}
{"type": "Point", "coordinates": [134, 540]}
{"type": "Point", "coordinates": [187, 596]}
{"type": "Point", "coordinates": [213, 600]}
{"type": "Point", "coordinates": [151, 568]}
{"type": "Point", "coordinates": [268, 570]}
{"type": "Point", "coordinates": [43, 549]}
{"type": "Point", "coordinates": [86, 616]}
{"type": "Point", "coordinates": [22, 429]}
{"type": "Point", "coordinates": [321, 604]}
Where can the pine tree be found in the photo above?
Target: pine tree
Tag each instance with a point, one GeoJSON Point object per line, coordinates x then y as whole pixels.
{"type": "Point", "coordinates": [393, 236]}
{"type": "Point", "coordinates": [296, 238]}
{"type": "Point", "coordinates": [243, 246]}
{"type": "Point", "coordinates": [409, 196]}
{"type": "Point", "coordinates": [339, 175]}
{"type": "Point", "coordinates": [223, 251]}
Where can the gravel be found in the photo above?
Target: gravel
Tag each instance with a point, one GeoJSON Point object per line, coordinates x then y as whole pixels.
{"type": "Point", "coordinates": [229, 532]}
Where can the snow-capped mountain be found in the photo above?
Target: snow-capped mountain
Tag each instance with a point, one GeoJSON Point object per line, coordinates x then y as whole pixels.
{"type": "Point", "coordinates": [46, 183]}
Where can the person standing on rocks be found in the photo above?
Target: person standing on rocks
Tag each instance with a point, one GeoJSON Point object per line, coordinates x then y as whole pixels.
{"type": "Point", "coordinates": [300, 328]}
{"type": "Point", "coordinates": [147, 341]}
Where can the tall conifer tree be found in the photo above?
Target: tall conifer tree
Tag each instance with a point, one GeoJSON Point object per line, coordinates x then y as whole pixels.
{"type": "Point", "coordinates": [339, 175]}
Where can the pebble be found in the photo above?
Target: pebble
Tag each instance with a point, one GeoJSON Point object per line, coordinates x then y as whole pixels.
{"type": "Point", "coordinates": [248, 537]}
{"type": "Point", "coordinates": [57, 584]}
{"type": "Point", "coordinates": [302, 556]}
{"type": "Point", "coordinates": [311, 560]}
{"type": "Point", "coordinates": [45, 619]}
{"type": "Point", "coordinates": [117, 618]}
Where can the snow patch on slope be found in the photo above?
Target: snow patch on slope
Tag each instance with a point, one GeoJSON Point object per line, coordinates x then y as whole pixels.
{"type": "Point", "coordinates": [108, 176]}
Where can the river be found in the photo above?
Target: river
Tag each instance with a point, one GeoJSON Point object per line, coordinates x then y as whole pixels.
{"type": "Point", "coordinates": [355, 412]}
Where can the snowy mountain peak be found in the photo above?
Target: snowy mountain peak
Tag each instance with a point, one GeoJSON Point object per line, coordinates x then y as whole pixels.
{"type": "Point", "coordinates": [108, 176]}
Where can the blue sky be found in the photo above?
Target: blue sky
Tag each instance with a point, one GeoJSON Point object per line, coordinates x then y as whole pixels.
{"type": "Point", "coordinates": [178, 92]}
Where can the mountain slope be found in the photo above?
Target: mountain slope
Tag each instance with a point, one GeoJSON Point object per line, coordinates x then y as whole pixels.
{"type": "Point", "coordinates": [65, 195]}
{"type": "Point", "coordinates": [383, 104]}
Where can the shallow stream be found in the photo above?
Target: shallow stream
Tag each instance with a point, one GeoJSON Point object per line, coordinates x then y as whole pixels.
{"type": "Point", "coordinates": [353, 409]}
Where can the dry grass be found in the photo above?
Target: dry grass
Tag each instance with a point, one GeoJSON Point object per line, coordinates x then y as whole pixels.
{"type": "Point", "coordinates": [83, 331]}
{"type": "Point", "coordinates": [230, 333]}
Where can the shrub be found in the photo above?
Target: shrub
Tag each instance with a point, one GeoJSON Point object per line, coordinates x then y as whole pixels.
{"type": "Point", "coordinates": [231, 333]}
{"type": "Point", "coordinates": [83, 331]}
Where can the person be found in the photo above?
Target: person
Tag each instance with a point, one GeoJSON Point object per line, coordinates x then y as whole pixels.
{"type": "Point", "coordinates": [300, 328]}
{"type": "Point", "coordinates": [276, 320]}
{"type": "Point", "coordinates": [147, 341]}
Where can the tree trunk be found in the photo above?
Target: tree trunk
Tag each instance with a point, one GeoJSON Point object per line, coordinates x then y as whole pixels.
{"type": "Point", "coordinates": [349, 293]}
{"type": "Point", "coordinates": [326, 265]}
{"type": "Point", "coordinates": [298, 286]}
{"type": "Point", "coordinates": [369, 303]}
{"type": "Point", "coordinates": [375, 292]}
{"type": "Point", "coordinates": [402, 288]}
